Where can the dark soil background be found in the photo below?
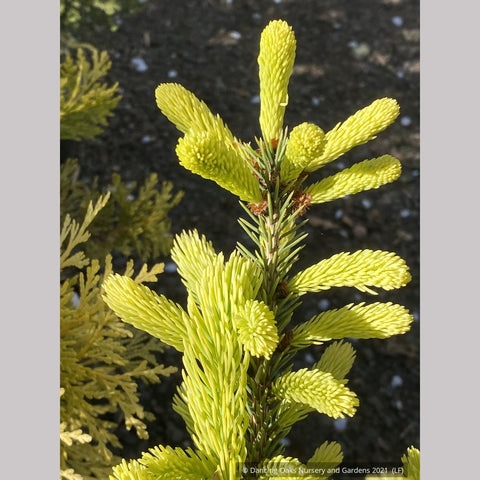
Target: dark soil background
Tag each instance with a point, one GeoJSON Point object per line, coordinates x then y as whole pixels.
{"type": "Point", "coordinates": [349, 53]}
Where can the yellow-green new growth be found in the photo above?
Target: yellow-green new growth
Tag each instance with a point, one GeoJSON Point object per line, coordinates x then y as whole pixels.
{"type": "Point", "coordinates": [361, 269]}
{"type": "Point", "coordinates": [305, 145]}
{"type": "Point", "coordinates": [411, 463]}
{"type": "Point", "coordinates": [337, 359]}
{"type": "Point", "coordinates": [329, 454]}
{"type": "Point", "coordinates": [257, 328]}
{"type": "Point", "coordinates": [167, 462]}
{"type": "Point", "coordinates": [213, 395]}
{"type": "Point", "coordinates": [360, 128]}
{"type": "Point", "coordinates": [318, 390]}
{"type": "Point", "coordinates": [366, 175]}
{"type": "Point", "coordinates": [211, 156]}
{"type": "Point", "coordinates": [275, 60]}
{"type": "Point", "coordinates": [411, 467]}
{"type": "Point", "coordinates": [131, 470]}
{"type": "Point", "coordinates": [190, 245]}
{"type": "Point", "coordinates": [144, 309]}
{"type": "Point", "coordinates": [187, 112]}
{"type": "Point", "coordinates": [377, 320]}
{"type": "Point", "coordinates": [208, 148]}
{"type": "Point", "coordinates": [277, 466]}
{"type": "Point", "coordinates": [239, 397]}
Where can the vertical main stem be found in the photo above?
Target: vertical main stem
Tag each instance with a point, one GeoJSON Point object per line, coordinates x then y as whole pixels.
{"type": "Point", "coordinates": [261, 433]}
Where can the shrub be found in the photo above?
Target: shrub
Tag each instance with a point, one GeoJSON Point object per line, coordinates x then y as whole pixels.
{"type": "Point", "coordinates": [101, 359]}
{"type": "Point", "coordinates": [78, 16]}
{"type": "Point", "coordinates": [85, 102]}
{"type": "Point", "coordinates": [134, 221]}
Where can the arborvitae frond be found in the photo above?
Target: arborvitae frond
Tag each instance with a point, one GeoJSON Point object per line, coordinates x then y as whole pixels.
{"type": "Point", "coordinates": [210, 156]}
{"type": "Point", "coordinates": [140, 217]}
{"type": "Point", "coordinates": [144, 309]}
{"type": "Point", "coordinates": [366, 175]}
{"type": "Point", "coordinates": [131, 470]}
{"type": "Point", "coordinates": [257, 328]}
{"type": "Point", "coordinates": [165, 463]}
{"type": "Point", "coordinates": [145, 274]}
{"type": "Point", "coordinates": [73, 193]}
{"type": "Point", "coordinates": [81, 18]}
{"type": "Point", "coordinates": [305, 143]}
{"type": "Point", "coordinates": [69, 474]}
{"type": "Point", "coordinates": [377, 320]}
{"type": "Point", "coordinates": [101, 361]}
{"type": "Point", "coordinates": [68, 437]}
{"type": "Point", "coordinates": [277, 54]}
{"type": "Point", "coordinates": [85, 102]}
{"type": "Point", "coordinates": [337, 359]}
{"type": "Point", "coordinates": [95, 364]}
{"type": "Point", "coordinates": [188, 113]}
{"type": "Point", "coordinates": [360, 128]}
{"type": "Point", "coordinates": [361, 269]}
{"type": "Point", "coordinates": [318, 390]}
{"type": "Point", "coordinates": [77, 234]}
{"type": "Point", "coordinates": [134, 221]}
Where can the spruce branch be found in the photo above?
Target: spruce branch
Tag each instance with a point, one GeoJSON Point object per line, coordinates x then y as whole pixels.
{"type": "Point", "coordinates": [366, 175]}
{"type": "Point", "coordinates": [240, 395]}
{"type": "Point", "coordinates": [360, 128]}
{"type": "Point", "coordinates": [377, 320]}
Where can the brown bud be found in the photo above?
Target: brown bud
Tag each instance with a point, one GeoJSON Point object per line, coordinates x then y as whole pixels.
{"type": "Point", "coordinates": [258, 208]}
{"type": "Point", "coordinates": [302, 201]}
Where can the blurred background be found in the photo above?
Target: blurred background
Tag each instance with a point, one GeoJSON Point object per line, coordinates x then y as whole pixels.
{"type": "Point", "coordinates": [348, 55]}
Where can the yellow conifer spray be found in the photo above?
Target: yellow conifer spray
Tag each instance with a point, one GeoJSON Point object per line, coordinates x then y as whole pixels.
{"type": "Point", "coordinates": [240, 395]}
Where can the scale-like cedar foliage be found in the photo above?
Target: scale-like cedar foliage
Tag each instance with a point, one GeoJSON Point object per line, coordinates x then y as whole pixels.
{"type": "Point", "coordinates": [240, 395]}
{"type": "Point", "coordinates": [77, 17]}
{"type": "Point", "coordinates": [101, 358]}
{"type": "Point", "coordinates": [85, 101]}
{"type": "Point", "coordinates": [134, 221]}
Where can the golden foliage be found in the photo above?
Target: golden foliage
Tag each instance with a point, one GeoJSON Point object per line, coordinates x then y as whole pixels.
{"type": "Point", "coordinates": [240, 395]}
{"type": "Point", "coordinates": [101, 359]}
{"type": "Point", "coordinates": [85, 102]}
{"type": "Point", "coordinates": [366, 175]}
{"type": "Point", "coordinates": [134, 221]}
{"type": "Point", "coordinates": [275, 61]}
{"type": "Point", "coordinates": [361, 269]}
